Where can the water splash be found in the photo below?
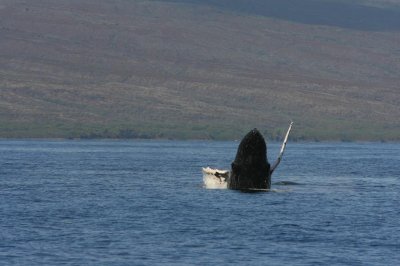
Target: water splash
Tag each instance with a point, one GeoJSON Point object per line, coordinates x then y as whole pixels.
{"type": "Point", "coordinates": [215, 178]}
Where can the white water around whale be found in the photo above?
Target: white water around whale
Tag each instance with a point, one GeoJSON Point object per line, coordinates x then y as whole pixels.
{"type": "Point", "coordinates": [212, 181]}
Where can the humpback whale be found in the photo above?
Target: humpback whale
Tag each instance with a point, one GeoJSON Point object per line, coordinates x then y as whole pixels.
{"type": "Point", "coordinates": [250, 169]}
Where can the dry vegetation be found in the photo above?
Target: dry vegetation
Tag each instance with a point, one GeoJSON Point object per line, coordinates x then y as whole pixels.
{"type": "Point", "coordinates": [98, 68]}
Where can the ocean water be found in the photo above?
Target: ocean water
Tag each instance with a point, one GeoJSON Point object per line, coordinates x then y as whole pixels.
{"type": "Point", "coordinates": [144, 203]}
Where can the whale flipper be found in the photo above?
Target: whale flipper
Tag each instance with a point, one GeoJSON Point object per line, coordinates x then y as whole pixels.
{"type": "Point", "coordinates": [279, 159]}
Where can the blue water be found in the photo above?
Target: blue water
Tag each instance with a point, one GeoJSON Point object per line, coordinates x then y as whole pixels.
{"type": "Point", "coordinates": [143, 203]}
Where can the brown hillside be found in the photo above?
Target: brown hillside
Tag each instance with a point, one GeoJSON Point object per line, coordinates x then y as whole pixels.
{"type": "Point", "coordinates": [98, 68]}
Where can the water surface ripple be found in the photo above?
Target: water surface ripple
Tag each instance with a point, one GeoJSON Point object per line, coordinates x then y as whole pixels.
{"type": "Point", "coordinates": [142, 203]}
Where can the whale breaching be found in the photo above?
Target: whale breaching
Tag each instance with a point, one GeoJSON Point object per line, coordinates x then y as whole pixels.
{"type": "Point", "coordinates": [250, 170]}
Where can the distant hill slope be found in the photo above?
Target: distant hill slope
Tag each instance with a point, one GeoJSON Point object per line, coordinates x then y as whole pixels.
{"type": "Point", "coordinates": [184, 69]}
{"type": "Point", "coordinates": [355, 14]}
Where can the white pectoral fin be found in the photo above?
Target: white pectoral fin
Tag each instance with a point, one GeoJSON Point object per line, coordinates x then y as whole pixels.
{"type": "Point", "coordinates": [278, 160]}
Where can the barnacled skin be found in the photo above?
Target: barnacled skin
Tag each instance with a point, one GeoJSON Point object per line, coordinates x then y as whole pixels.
{"type": "Point", "coordinates": [250, 169]}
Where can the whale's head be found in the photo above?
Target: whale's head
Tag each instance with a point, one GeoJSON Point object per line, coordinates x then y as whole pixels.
{"type": "Point", "coordinates": [250, 169]}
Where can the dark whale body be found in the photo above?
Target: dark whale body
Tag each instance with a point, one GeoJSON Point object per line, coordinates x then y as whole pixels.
{"type": "Point", "coordinates": [250, 169]}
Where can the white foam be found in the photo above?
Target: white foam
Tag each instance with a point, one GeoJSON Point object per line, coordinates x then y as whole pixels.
{"type": "Point", "coordinates": [212, 181]}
